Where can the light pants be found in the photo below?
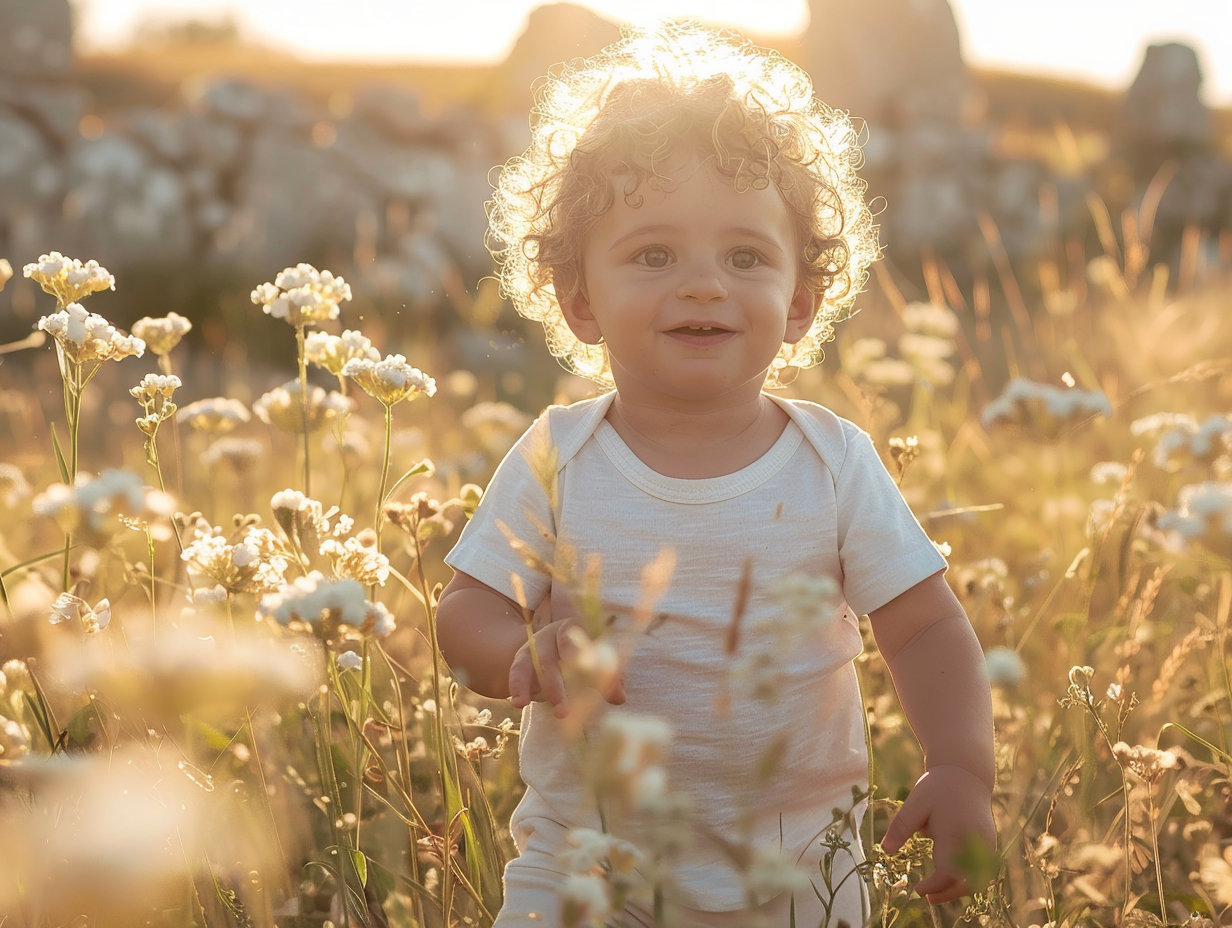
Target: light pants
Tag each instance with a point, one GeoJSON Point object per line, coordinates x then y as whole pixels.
{"type": "Point", "coordinates": [533, 881]}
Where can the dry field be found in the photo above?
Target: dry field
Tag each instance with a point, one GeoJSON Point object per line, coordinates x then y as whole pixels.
{"type": "Point", "coordinates": [221, 702]}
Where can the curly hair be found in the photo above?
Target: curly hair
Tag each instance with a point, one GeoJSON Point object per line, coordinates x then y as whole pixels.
{"type": "Point", "coordinates": [615, 120]}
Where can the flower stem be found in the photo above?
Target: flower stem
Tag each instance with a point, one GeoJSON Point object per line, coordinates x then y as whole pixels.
{"type": "Point", "coordinates": [303, 400]}
{"type": "Point", "coordinates": [380, 497]}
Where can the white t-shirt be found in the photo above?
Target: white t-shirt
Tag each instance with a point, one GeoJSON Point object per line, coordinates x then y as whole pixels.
{"type": "Point", "coordinates": [818, 503]}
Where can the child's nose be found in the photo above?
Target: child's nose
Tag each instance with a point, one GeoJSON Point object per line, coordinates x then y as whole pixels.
{"type": "Point", "coordinates": [702, 284]}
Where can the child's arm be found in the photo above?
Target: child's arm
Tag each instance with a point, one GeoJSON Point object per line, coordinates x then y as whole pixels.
{"type": "Point", "coordinates": [938, 670]}
{"type": "Point", "coordinates": [483, 636]}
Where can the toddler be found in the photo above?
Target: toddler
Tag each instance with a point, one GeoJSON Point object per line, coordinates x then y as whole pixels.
{"type": "Point", "coordinates": [688, 225]}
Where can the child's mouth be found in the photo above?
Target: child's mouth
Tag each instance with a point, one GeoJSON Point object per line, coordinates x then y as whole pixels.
{"type": "Point", "coordinates": [700, 336]}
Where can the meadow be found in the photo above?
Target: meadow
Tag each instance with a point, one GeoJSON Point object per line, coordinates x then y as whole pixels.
{"type": "Point", "coordinates": [221, 701]}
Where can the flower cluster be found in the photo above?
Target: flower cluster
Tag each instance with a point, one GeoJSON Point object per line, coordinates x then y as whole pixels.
{"type": "Point", "coordinates": [163, 333]}
{"type": "Point", "coordinates": [332, 352]}
{"type": "Point", "coordinates": [628, 758]}
{"type": "Point", "coordinates": [308, 527]}
{"type": "Point", "coordinates": [154, 394]}
{"type": "Point", "coordinates": [13, 485]}
{"type": "Point", "coordinates": [601, 870]}
{"type": "Point", "coordinates": [255, 563]}
{"type": "Point", "coordinates": [1186, 443]}
{"type": "Point", "coordinates": [390, 380]}
{"type": "Point", "coordinates": [217, 415]}
{"type": "Point", "coordinates": [84, 336]}
{"type": "Point", "coordinates": [302, 295]}
{"type": "Point", "coordinates": [1203, 513]}
{"type": "Point", "coordinates": [1043, 410]}
{"type": "Point", "coordinates": [70, 608]}
{"type": "Point", "coordinates": [96, 502]}
{"type": "Point", "coordinates": [67, 279]}
{"type": "Point", "coordinates": [1148, 764]}
{"type": "Point", "coordinates": [327, 607]}
{"type": "Point", "coordinates": [283, 408]}
{"type": "Point", "coordinates": [239, 454]}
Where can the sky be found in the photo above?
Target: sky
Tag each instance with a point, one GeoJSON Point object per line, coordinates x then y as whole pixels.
{"type": "Point", "coordinates": [1101, 41]}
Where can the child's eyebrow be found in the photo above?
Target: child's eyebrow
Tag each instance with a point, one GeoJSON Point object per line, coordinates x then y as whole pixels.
{"type": "Point", "coordinates": [663, 227]}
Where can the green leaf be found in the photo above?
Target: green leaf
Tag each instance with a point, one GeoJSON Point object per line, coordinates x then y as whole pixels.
{"type": "Point", "coordinates": [361, 865]}
{"type": "Point", "coordinates": [55, 444]}
{"type": "Point", "coordinates": [32, 561]}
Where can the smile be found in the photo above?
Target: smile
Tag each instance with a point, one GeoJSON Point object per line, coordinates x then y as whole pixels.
{"type": "Point", "coordinates": [700, 335]}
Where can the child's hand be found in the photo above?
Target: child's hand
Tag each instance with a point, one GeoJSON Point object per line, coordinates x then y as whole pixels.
{"type": "Point", "coordinates": [557, 646]}
{"type": "Point", "coordinates": [947, 804]}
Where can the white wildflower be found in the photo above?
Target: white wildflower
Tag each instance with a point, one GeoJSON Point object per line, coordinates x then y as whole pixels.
{"type": "Point", "coordinates": [302, 295]}
{"type": "Point", "coordinates": [69, 608]}
{"type": "Point", "coordinates": [1004, 666]}
{"type": "Point", "coordinates": [83, 336]}
{"type": "Point", "coordinates": [1160, 422]}
{"type": "Point", "coordinates": [13, 485]}
{"type": "Point", "coordinates": [390, 380]}
{"type": "Point", "coordinates": [67, 279]}
{"type": "Point", "coordinates": [332, 352]}
{"type": "Point", "coordinates": [584, 901]}
{"type": "Point", "coordinates": [317, 602]}
{"type": "Point", "coordinates": [629, 756]}
{"type": "Point", "coordinates": [349, 660]}
{"type": "Point", "coordinates": [807, 601]}
{"type": "Point", "coordinates": [930, 319]}
{"type": "Point", "coordinates": [239, 454]}
{"type": "Point", "coordinates": [1109, 472]}
{"type": "Point", "coordinates": [888, 372]}
{"type": "Point", "coordinates": [163, 333]}
{"type": "Point", "coordinates": [218, 414]}
{"type": "Point", "coordinates": [96, 502]}
{"type": "Point", "coordinates": [1043, 410]}
{"type": "Point", "coordinates": [14, 739]}
{"type": "Point", "coordinates": [1189, 443]}
{"type": "Point", "coordinates": [771, 872]}
{"type": "Point", "coordinates": [283, 408]}
{"type": "Point", "coordinates": [357, 558]}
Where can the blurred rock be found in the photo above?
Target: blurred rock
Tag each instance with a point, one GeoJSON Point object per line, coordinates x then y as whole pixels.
{"type": "Point", "coordinates": [36, 38]}
{"type": "Point", "coordinates": [892, 63]}
{"type": "Point", "coordinates": [1163, 113]}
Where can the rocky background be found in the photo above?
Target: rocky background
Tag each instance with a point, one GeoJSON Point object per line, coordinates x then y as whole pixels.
{"type": "Point", "coordinates": [216, 190]}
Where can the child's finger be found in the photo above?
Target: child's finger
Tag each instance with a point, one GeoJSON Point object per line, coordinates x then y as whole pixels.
{"type": "Point", "coordinates": [941, 887]}
{"type": "Point", "coordinates": [910, 818]}
{"type": "Point", "coordinates": [615, 693]}
{"type": "Point", "coordinates": [521, 679]}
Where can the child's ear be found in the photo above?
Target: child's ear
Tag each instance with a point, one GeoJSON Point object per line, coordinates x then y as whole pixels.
{"type": "Point", "coordinates": [580, 319]}
{"type": "Point", "coordinates": [800, 313]}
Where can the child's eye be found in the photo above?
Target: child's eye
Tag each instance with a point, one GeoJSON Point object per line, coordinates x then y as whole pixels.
{"type": "Point", "coordinates": [745, 259]}
{"type": "Point", "coordinates": [654, 257]}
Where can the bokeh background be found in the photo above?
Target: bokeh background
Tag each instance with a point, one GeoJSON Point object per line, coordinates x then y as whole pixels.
{"type": "Point", "coordinates": [195, 148]}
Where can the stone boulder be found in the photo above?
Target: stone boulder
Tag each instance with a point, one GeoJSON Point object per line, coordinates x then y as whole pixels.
{"type": "Point", "coordinates": [1163, 115]}
{"type": "Point", "coordinates": [892, 63]}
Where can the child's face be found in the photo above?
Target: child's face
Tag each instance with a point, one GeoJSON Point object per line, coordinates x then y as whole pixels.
{"type": "Point", "coordinates": [694, 290]}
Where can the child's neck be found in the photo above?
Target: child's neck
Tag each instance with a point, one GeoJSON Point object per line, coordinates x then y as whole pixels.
{"type": "Point", "coordinates": [698, 444]}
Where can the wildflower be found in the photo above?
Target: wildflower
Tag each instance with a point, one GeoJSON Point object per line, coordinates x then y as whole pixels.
{"type": "Point", "coordinates": [154, 394]}
{"type": "Point", "coordinates": [357, 558]}
{"type": "Point", "coordinates": [162, 334]}
{"type": "Point", "coordinates": [1109, 472]}
{"type": "Point", "coordinates": [96, 501]}
{"type": "Point", "coordinates": [67, 279]}
{"type": "Point", "coordinates": [469, 496]}
{"type": "Point", "coordinates": [68, 608]}
{"type": "Point", "coordinates": [584, 901]}
{"type": "Point", "coordinates": [302, 295]}
{"type": "Point", "coordinates": [1203, 513]}
{"type": "Point", "coordinates": [628, 757]}
{"type": "Point", "coordinates": [1005, 667]}
{"type": "Point", "coordinates": [770, 872]}
{"type": "Point", "coordinates": [1149, 764]}
{"type": "Point", "coordinates": [239, 454]}
{"type": "Point", "coordinates": [862, 352]}
{"type": "Point", "coordinates": [931, 319]}
{"type": "Point", "coordinates": [327, 607]}
{"type": "Point", "coordinates": [349, 660]}
{"type": "Point", "coordinates": [590, 851]}
{"type": "Point", "coordinates": [283, 409]}
{"type": "Point", "coordinates": [218, 415]}
{"type": "Point", "coordinates": [14, 739]}
{"type": "Point", "coordinates": [495, 417]}
{"type": "Point", "coordinates": [807, 601]}
{"type": "Point", "coordinates": [390, 380]}
{"type": "Point", "coordinates": [6, 273]}
{"type": "Point", "coordinates": [13, 485]}
{"type": "Point", "coordinates": [903, 451]}
{"type": "Point", "coordinates": [256, 563]}
{"type": "Point", "coordinates": [83, 336]}
{"type": "Point", "coordinates": [1157, 423]}
{"type": "Point", "coordinates": [1187, 443]}
{"type": "Point", "coordinates": [16, 673]}
{"type": "Point", "coordinates": [332, 352]}
{"type": "Point", "coordinates": [1043, 410]}
{"type": "Point", "coordinates": [888, 372]}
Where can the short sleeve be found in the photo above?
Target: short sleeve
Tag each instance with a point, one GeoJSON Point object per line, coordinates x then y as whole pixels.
{"type": "Point", "coordinates": [882, 548]}
{"type": "Point", "coordinates": [513, 532]}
